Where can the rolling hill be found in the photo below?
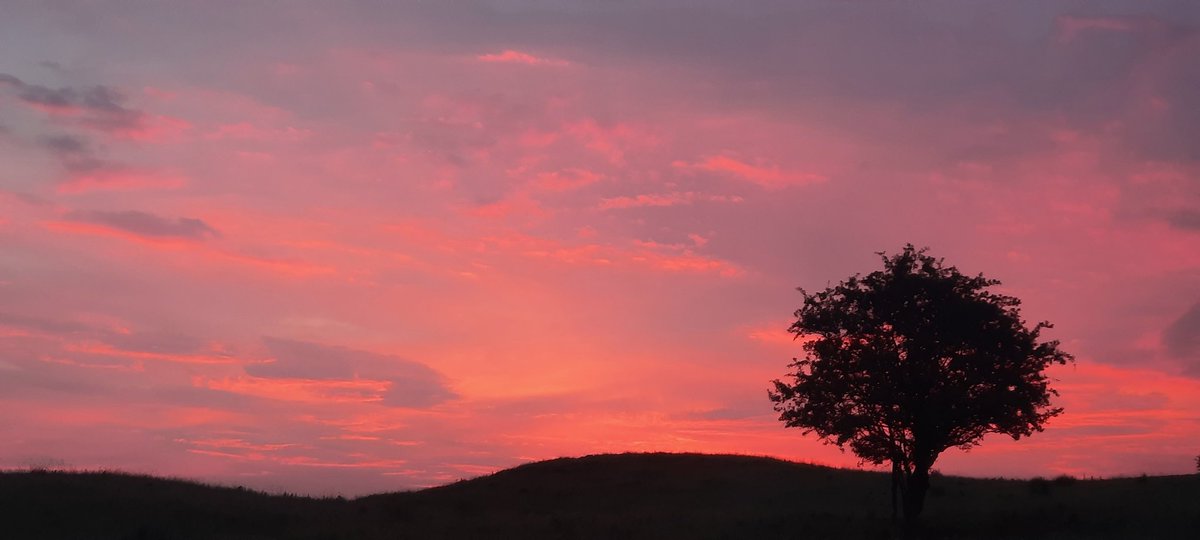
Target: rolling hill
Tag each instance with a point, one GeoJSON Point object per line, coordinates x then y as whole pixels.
{"type": "Point", "coordinates": [605, 496]}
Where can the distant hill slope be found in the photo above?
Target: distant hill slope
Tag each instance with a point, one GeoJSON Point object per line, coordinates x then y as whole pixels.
{"type": "Point", "coordinates": [606, 496]}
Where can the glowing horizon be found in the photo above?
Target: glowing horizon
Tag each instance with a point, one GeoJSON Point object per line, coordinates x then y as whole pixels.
{"type": "Point", "coordinates": [373, 248]}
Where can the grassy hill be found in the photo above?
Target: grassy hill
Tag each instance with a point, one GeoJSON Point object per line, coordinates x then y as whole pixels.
{"type": "Point", "coordinates": [605, 496]}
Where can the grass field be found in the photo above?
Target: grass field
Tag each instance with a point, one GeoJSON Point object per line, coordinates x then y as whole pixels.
{"type": "Point", "coordinates": [606, 496]}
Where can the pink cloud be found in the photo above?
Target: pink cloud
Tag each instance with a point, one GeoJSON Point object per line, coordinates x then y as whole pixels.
{"type": "Point", "coordinates": [156, 129]}
{"type": "Point", "coordinates": [119, 179]}
{"type": "Point", "coordinates": [690, 262]}
{"type": "Point", "coordinates": [658, 257]}
{"type": "Point", "coordinates": [106, 350]}
{"type": "Point", "coordinates": [1071, 27]}
{"type": "Point", "coordinates": [77, 227]}
{"type": "Point", "coordinates": [566, 180]}
{"type": "Point", "coordinates": [774, 333]}
{"type": "Point", "coordinates": [252, 132]}
{"type": "Point", "coordinates": [301, 390]}
{"type": "Point", "coordinates": [283, 267]}
{"type": "Point", "coordinates": [510, 56]}
{"type": "Point", "coordinates": [612, 141]}
{"type": "Point", "coordinates": [518, 205]}
{"type": "Point", "coordinates": [770, 177]}
{"type": "Point", "coordinates": [664, 199]}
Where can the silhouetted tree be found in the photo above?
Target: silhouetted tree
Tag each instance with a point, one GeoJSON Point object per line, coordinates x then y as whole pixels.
{"type": "Point", "coordinates": [906, 362]}
{"type": "Point", "coordinates": [1198, 463]}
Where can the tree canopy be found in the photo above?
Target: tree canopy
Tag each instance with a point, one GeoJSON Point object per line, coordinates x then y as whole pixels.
{"type": "Point", "coordinates": [914, 359]}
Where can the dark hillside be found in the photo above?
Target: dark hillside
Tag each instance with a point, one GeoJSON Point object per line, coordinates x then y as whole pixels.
{"type": "Point", "coordinates": [607, 496]}
{"type": "Point", "coordinates": [115, 505]}
{"type": "Point", "coordinates": [651, 496]}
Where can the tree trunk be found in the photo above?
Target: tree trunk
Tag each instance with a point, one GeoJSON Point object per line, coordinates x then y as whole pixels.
{"type": "Point", "coordinates": [897, 478]}
{"type": "Point", "coordinates": [914, 494]}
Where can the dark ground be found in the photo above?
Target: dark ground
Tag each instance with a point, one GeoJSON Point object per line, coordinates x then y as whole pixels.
{"type": "Point", "coordinates": [606, 496]}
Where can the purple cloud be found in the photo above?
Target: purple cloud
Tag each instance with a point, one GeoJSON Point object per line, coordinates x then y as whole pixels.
{"type": "Point", "coordinates": [412, 384]}
{"type": "Point", "coordinates": [102, 107]}
{"type": "Point", "coordinates": [146, 224]}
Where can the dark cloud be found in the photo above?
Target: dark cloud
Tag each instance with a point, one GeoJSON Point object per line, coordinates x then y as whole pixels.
{"type": "Point", "coordinates": [65, 144]}
{"type": "Point", "coordinates": [1088, 65]}
{"type": "Point", "coordinates": [1182, 337]}
{"type": "Point", "coordinates": [100, 107]}
{"type": "Point", "coordinates": [118, 347]}
{"type": "Point", "coordinates": [160, 342]}
{"type": "Point", "coordinates": [1185, 219]}
{"type": "Point", "coordinates": [27, 198]}
{"type": "Point", "coordinates": [417, 389]}
{"type": "Point", "coordinates": [76, 154]}
{"type": "Point", "coordinates": [146, 224]}
{"type": "Point", "coordinates": [37, 324]}
{"type": "Point", "coordinates": [86, 165]}
{"type": "Point", "coordinates": [412, 384]}
{"type": "Point", "coordinates": [41, 95]}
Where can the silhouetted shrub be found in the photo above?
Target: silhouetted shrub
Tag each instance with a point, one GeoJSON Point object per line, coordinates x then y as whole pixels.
{"type": "Point", "coordinates": [1064, 480]}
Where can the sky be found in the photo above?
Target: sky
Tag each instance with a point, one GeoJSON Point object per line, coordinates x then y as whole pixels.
{"type": "Point", "coordinates": [360, 246]}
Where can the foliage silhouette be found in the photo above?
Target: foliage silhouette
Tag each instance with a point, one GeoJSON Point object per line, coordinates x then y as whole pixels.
{"type": "Point", "coordinates": [914, 359]}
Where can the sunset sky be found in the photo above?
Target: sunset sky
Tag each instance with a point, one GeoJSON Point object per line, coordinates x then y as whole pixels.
{"type": "Point", "coordinates": [350, 247]}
